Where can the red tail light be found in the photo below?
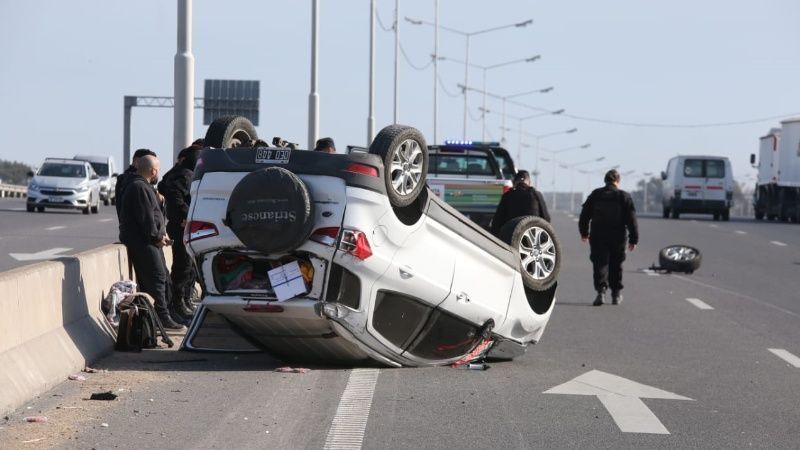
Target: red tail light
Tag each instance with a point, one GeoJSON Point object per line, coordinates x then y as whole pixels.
{"type": "Point", "coordinates": [355, 243]}
{"type": "Point", "coordinates": [195, 230]}
{"type": "Point", "coordinates": [325, 236]}
{"type": "Point", "coordinates": [507, 187]}
{"type": "Point", "coordinates": [362, 169]}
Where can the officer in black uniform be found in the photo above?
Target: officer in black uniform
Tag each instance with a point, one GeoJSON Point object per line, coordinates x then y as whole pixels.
{"type": "Point", "coordinates": [174, 186]}
{"type": "Point", "coordinates": [521, 200]}
{"type": "Point", "coordinates": [124, 179]}
{"type": "Point", "coordinates": [610, 211]}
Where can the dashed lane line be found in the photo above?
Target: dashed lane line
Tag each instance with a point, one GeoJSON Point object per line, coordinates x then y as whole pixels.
{"type": "Point", "coordinates": [737, 294]}
{"type": "Point", "coordinates": [58, 227]}
{"type": "Point", "coordinates": [350, 422]}
{"type": "Point", "coordinates": [699, 303]}
{"type": "Point", "coordinates": [786, 356]}
{"type": "Point", "coordinates": [105, 220]}
{"type": "Point", "coordinates": [778, 243]}
{"type": "Point", "coordinates": [741, 232]}
{"type": "Point", "coordinates": [713, 225]}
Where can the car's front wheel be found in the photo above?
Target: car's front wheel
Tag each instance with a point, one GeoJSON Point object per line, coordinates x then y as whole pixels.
{"type": "Point", "coordinates": [405, 162]}
{"type": "Point", "coordinates": [537, 248]}
{"type": "Point", "coordinates": [680, 258]}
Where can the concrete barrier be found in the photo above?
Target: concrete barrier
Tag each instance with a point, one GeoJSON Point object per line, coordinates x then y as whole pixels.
{"type": "Point", "coordinates": [10, 190]}
{"type": "Point", "coordinates": [51, 324]}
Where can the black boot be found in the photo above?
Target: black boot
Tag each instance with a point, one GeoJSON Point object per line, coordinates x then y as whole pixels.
{"type": "Point", "coordinates": [601, 296]}
{"type": "Point", "coordinates": [178, 316]}
{"type": "Point", "coordinates": [616, 297]}
{"type": "Point", "coordinates": [169, 324]}
{"type": "Point", "coordinates": [189, 305]}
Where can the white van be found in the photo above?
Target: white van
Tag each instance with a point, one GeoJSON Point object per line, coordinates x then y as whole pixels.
{"type": "Point", "coordinates": [105, 168]}
{"type": "Point", "coordinates": [698, 184]}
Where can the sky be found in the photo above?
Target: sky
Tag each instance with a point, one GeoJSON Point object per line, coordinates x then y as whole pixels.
{"type": "Point", "coordinates": [641, 81]}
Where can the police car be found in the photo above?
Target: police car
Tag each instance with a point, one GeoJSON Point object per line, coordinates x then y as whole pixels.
{"type": "Point", "coordinates": [349, 258]}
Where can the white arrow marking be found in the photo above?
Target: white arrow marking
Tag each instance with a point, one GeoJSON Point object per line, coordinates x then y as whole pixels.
{"type": "Point", "coordinates": [699, 303]}
{"type": "Point", "coordinates": [786, 356]}
{"type": "Point", "coordinates": [44, 254]}
{"type": "Point", "coordinates": [59, 227]}
{"type": "Point", "coordinates": [622, 398]}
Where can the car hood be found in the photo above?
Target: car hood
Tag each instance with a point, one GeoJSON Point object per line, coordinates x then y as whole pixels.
{"type": "Point", "coordinates": [59, 182]}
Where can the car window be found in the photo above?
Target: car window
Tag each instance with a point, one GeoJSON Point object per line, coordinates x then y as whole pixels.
{"type": "Point", "coordinates": [715, 168]}
{"type": "Point", "coordinates": [693, 168]}
{"type": "Point", "coordinates": [505, 165]}
{"type": "Point", "coordinates": [100, 168]}
{"type": "Point", "coordinates": [445, 337]}
{"type": "Point", "coordinates": [62, 170]}
{"type": "Point", "coordinates": [460, 164]}
{"type": "Point", "coordinates": [398, 318]}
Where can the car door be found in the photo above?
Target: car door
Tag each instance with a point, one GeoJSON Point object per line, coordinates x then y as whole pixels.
{"type": "Point", "coordinates": [693, 186]}
{"type": "Point", "coordinates": [714, 182]}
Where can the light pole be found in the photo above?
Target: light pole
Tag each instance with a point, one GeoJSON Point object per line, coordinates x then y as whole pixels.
{"type": "Point", "coordinates": [572, 176]}
{"type": "Point", "coordinates": [468, 35]}
{"type": "Point", "coordinates": [485, 69]}
{"type": "Point", "coordinates": [313, 96]}
{"type": "Point", "coordinates": [520, 94]}
{"type": "Point", "coordinates": [183, 82]}
{"type": "Point", "coordinates": [371, 116]}
{"type": "Point", "coordinates": [539, 137]}
{"type": "Point", "coordinates": [396, 59]}
{"type": "Point", "coordinates": [644, 194]}
{"type": "Point", "coordinates": [553, 154]}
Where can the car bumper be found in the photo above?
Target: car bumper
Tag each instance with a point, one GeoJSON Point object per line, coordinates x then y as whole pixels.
{"type": "Point", "coordinates": [700, 206]}
{"type": "Point", "coordinates": [69, 201]}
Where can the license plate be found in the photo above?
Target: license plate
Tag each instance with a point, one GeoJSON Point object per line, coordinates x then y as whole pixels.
{"type": "Point", "coordinates": [691, 193]}
{"type": "Point", "coordinates": [54, 199]}
{"type": "Point", "coordinates": [266, 155]}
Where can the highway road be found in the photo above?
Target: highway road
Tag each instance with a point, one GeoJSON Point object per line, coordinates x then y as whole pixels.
{"type": "Point", "coordinates": [27, 238]}
{"type": "Point", "coordinates": [708, 360]}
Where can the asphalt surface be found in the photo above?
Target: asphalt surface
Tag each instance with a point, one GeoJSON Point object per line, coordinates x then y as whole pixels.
{"type": "Point", "coordinates": [27, 234]}
{"type": "Point", "coordinates": [740, 395]}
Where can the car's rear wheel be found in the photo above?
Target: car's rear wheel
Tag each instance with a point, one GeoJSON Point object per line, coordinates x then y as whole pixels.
{"type": "Point", "coordinates": [405, 162]}
{"type": "Point", "coordinates": [270, 210]}
{"type": "Point", "coordinates": [105, 202]}
{"type": "Point", "coordinates": [680, 258]}
{"type": "Point", "coordinates": [537, 248]}
{"type": "Point", "coordinates": [715, 216]}
{"type": "Point", "coordinates": [40, 208]}
{"type": "Point", "coordinates": [230, 131]}
{"type": "Point", "coordinates": [29, 208]}
{"type": "Point", "coordinates": [665, 212]}
{"type": "Point", "coordinates": [726, 215]}
{"type": "Point", "coordinates": [675, 213]}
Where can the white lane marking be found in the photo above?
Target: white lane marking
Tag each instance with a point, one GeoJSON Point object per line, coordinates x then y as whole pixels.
{"type": "Point", "coordinates": [44, 254]}
{"type": "Point", "coordinates": [741, 232]}
{"type": "Point", "coordinates": [59, 227]}
{"type": "Point", "coordinates": [105, 220]}
{"type": "Point", "coordinates": [651, 273]}
{"type": "Point", "coordinates": [622, 398]}
{"type": "Point", "coordinates": [575, 220]}
{"type": "Point", "coordinates": [736, 294]}
{"type": "Point", "coordinates": [786, 356]}
{"type": "Point", "coordinates": [347, 428]}
{"type": "Point", "coordinates": [778, 243]}
{"type": "Point", "coordinates": [699, 303]}
{"type": "Point", "coordinates": [714, 225]}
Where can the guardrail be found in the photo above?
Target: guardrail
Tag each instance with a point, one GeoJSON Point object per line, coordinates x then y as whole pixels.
{"type": "Point", "coordinates": [10, 190]}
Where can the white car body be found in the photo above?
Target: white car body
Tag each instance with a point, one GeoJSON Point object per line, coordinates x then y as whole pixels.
{"type": "Point", "coordinates": [697, 184]}
{"type": "Point", "coordinates": [107, 171]}
{"type": "Point", "coordinates": [64, 184]}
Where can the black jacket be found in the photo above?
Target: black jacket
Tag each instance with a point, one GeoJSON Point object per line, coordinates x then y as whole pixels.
{"type": "Point", "coordinates": [141, 221]}
{"type": "Point", "coordinates": [123, 180]}
{"type": "Point", "coordinates": [519, 201]}
{"type": "Point", "coordinates": [174, 186]}
{"type": "Point", "coordinates": [611, 212]}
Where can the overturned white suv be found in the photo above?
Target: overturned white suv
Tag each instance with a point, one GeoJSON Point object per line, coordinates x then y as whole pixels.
{"type": "Point", "coordinates": [346, 258]}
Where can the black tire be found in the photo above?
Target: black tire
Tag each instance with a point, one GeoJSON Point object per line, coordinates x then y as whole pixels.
{"type": "Point", "coordinates": [726, 215]}
{"type": "Point", "coordinates": [770, 216]}
{"type": "Point", "coordinates": [680, 258]}
{"type": "Point", "coordinates": [96, 208]}
{"type": "Point", "coordinates": [106, 202]}
{"type": "Point", "coordinates": [113, 200]}
{"type": "Point", "coordinates": [715, 216]}
{"type": "Point", "coordinates": [393, 144]}
{"type": "Point", "coordinates": [87, 210]}
{"type": "Point", "coordinates": [759, 215]}
{"type": "Point", "coordinates": [271, 210]}
{"type": "Point", "coordinates": [665, 212]}
{"type": "Point", "coordinates": [516, 233]}
{"type": "Point", "coordinates": [30, 208]}
{"type": "Point", "coordinates": [40, 208]}
{"type": "Point", "coordinates": [676, 214]}
{"type": "Point", "coordinates": [230, 131]}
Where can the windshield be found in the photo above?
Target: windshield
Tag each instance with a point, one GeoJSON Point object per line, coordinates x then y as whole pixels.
{"type": "Point", "coordinates": [461, 164]}
{"type": "Point", "coordinates": [100, 168]}
{"type": "Point", "coordinates": [62, 170]}
{"type": "Point", "coordinates": [505, 165]}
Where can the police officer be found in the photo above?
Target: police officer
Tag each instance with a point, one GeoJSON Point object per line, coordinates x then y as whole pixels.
{"type": "Point", "coordinates": [175, 186]}
{"type": "Point", "coordinates": [142, 230]}
{"type": "Point", "coordinates": [125, 177]}
{"type": "Point", "coordinates": [521, 200]}
{"type": "Point", "coordinates": [325, 145]}
{"type": "Point", "coordinates": [610, 211]}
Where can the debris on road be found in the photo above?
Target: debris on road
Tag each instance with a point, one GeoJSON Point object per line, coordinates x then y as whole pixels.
{"type": "Point", "coordinates": [108, 395]}
{"type": "Point", "coordinates": [478, 366]}
{"type": "Point", "coordinates": [36, 419]}
{"type": "Point", "coordinates": [92, 370]}
{"type": "Point", "coordinates": [292, 370]}
{"type": "Point", "coordinates": [76, 377]}
{"type": "Point", "coordinates": [104, 425]}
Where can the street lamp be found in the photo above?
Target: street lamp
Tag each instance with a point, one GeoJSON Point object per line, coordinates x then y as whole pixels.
{"type": "Point", "coordinates": [485, 70]}
{"type": "Point", "coordinates": [553, 154]}
{"type": "Point", "coordinates": [571, 177]}
{"type": "Point", "coordinates": [519, 130]}
{"type": "Point", "coordinates": [644, 194]}
{"type": "Point", "coordinates": [467, 35]}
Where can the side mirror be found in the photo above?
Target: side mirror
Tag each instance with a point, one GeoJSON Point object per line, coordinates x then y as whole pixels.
{"type": "Point", "coordinates": [663, 175]}
{"type": "Point", "coordinates": [752, 158]}
{"type": "Point", "coordinates": [95, 176]}
{"type": "Point", "coordinates": [30, 174]}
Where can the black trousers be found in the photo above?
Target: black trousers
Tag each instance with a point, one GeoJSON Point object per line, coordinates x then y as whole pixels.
{"type": "Point", "coordinates": [607, 256]}
{"type": "Point", "coordinates": [182, 273]}
{"type": "Point", "coordinates": [151, 274]}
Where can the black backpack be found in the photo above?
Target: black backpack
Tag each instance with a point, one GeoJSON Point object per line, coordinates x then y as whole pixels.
{"type": "Point", "coordinates": [139, 325]}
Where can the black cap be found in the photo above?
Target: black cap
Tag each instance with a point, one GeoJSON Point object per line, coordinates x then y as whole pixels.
{"type": "Point", "coordinates": [143, 152]}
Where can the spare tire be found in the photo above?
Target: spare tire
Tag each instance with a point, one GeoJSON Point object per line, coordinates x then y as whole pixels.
{"type": "Point", "coordinates": [405, 162]}
{"type": "Point", "coordinates": [271, 211]}
{"type": "Point", "coordinates": [537, 248]}
{"type": "Point", "coordinates": [230, 131]}
{"type": "Point", "coordinates": [680, 258]}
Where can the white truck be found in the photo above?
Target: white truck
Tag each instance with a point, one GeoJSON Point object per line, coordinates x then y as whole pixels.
{"type": "Point", "coordinates": [699, 185]}
{"type": "Point", "coordinates": [777, 194]}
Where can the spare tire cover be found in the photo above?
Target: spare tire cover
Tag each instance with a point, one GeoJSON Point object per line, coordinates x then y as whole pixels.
{"type": "Point", "coordinates": [271, 210]}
